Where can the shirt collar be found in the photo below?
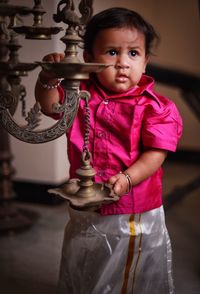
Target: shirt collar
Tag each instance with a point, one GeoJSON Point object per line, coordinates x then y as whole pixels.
{"type": "Point", "coordinates": [145, 86]}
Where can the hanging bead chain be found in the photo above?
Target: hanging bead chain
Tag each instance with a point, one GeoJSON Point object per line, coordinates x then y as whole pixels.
{"type": "Point", "coordinates": [85, 95]}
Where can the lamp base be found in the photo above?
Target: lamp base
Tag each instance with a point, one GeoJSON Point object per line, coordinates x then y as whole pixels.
{"type": "Point", "coordinates": [103, 195]}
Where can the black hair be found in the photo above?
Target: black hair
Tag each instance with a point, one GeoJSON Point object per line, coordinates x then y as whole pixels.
{"type": "Point", "coordinates": [118, 17]}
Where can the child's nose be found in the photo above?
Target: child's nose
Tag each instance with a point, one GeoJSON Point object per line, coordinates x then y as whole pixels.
{"type": "Point", "coordinates": [122, 61]}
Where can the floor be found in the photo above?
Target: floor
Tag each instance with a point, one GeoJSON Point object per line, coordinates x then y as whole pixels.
{"type": "Point", "coordinates": [29, 260]}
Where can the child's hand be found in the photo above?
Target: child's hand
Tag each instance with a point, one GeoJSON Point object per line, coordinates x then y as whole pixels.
{"type": "Point", "coordinates": [120, 185]}
{"type": "Point", "coordinates": [53, 57]}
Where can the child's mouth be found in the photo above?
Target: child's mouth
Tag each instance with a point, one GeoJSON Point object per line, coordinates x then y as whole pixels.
{"type": "Point", "coordinates": [121, 78]}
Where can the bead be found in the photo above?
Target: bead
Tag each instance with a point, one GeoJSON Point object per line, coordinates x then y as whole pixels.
{"type": "Point", "coordinates": [48, 86]}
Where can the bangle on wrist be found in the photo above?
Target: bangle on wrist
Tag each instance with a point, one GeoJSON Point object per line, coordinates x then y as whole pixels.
{"type": "Point", "coordinates": [129, 182]}
{"type": "Point", "coordinates": [49, 86]}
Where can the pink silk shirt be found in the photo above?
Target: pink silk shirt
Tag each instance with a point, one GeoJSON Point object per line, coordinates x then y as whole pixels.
{"type": "Point", "coordinates": [122, 127]}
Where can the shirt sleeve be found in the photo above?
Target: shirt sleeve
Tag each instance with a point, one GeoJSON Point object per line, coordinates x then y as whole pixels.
{"type": "Point", "coordinates": [162, 127]}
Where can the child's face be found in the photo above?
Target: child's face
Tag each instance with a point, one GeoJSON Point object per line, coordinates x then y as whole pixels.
{"type": "Point", "coordinates": [125, 49]}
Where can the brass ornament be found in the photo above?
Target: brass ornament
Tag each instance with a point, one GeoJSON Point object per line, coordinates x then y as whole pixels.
{"type": "Point", "coordinates": [83, 192]}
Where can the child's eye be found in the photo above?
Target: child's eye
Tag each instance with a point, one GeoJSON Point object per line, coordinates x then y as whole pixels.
{"type": "Point", "coordinates": [133, 53]}
{"type": "Point", "coordinates": [112, 52]}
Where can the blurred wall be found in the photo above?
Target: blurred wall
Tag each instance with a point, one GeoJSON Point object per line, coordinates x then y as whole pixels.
{"type": "Point", "coordinates": [176, 21]}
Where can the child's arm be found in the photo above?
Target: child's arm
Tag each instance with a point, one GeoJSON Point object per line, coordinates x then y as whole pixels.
{"type": "Point", "coordinates": [143, 168]}
{"type": "Point", "coordinates": [47, 97]}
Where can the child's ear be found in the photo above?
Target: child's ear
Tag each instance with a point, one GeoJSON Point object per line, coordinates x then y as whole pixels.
{"type": "Point", "coordinates": [87, 57]}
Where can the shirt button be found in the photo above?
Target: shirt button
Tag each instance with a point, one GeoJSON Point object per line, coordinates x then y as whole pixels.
{"type": "Point", "coordinates": [101, 173]}
{"type": "Point", "coordinates": [101, 135]}
{"type": "Point", "coordinates": [105, 102]}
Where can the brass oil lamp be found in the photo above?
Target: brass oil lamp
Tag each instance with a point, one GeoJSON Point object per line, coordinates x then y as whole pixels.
{"type": "Point", "coordinates": [82, 193]}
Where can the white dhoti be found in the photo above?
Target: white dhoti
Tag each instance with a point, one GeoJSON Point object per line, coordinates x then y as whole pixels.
{"type": "Point", "coordinates": [116, 254]}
